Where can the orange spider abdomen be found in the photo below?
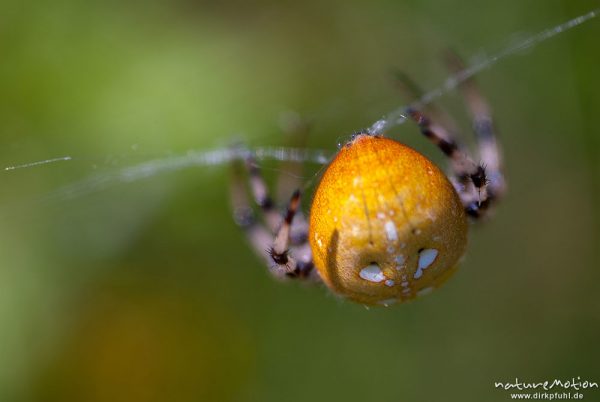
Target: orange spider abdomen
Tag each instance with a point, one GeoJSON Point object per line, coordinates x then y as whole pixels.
{"type": "Point", "coordinates": [386, 225]}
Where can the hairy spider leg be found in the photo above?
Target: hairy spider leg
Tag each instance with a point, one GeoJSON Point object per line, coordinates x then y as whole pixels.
{"type": "Point", "coordinates": [273, 241]}
{"type": "Point", "coordinates": [489, 150]}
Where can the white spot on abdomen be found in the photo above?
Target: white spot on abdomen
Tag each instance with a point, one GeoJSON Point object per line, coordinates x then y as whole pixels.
{"type": "Point", "coordinates": [390, 231]}
{"type": "Point", "coordinates": [318, 239]}
{"type": "Point", "coordinates": [389, 283]}
{"type": "Point", "coordinates": [372, 273]}
{"type": "Point", "coordinates": [426, 258]}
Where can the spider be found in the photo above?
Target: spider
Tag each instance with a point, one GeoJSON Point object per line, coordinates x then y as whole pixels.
{"type": "Point", "coordinates": [386, 225]}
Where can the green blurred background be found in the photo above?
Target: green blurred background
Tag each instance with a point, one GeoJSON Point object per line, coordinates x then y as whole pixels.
{"type": "Point", "coordinates": [146, 290]}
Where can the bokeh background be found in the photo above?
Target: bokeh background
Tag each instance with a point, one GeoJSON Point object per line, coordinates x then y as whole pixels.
{"type": "Point", "coordinates": [146, 291]}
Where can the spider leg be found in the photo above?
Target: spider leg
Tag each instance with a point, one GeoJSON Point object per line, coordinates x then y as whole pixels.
{"type": "Point", "coordinates": [261, 194]}
{"type": "Point", "coordinates": [275, 251]}
{"type": "Point", "coordinates": [259, 237]}
{"type": "Point", "coordinates": [296, 128]}
{"type": "Point", "coordinates": [469, 178]}
{"type": "Point", "coordinates": [488, 147]}
{"type": "Point", "coordinates": [286, 263]}
{"type": "Point", "coordinates": [433, 123]}
{"type": "Point", "coordinates": [446, 126]}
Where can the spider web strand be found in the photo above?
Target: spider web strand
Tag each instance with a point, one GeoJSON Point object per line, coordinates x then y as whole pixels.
{"type": "Point", "coordinates": [398, 116]}
{"type": "Point", "coordinates": [217, 157]}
